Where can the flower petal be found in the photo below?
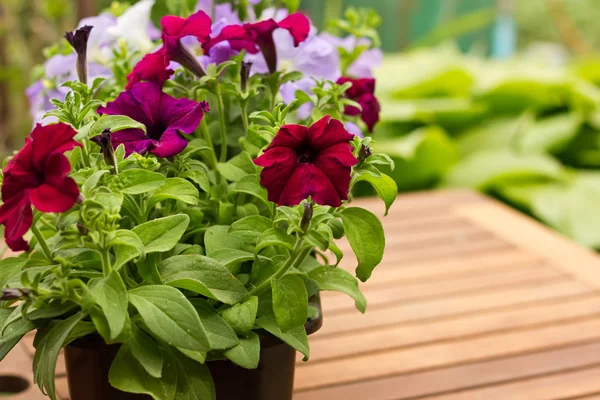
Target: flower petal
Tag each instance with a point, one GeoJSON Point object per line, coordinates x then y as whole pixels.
{"type": "Point", "coordinates": [148, 95]}
{"type": "Point", "coordinates": [175, 28]}
{"type": "Point", "coordinates": [181, 114]}
{"type": "Point", "coordinates": [153, 67]}
{"type": "Point", "coordinates": [57, 195]}
{"type": "Point", "coordinates": [16, 216]}
{"type": "Point", "coordinates": [308, 180]}
{"type": "Point", "coordinates": [126, 104]}
{"type": "Point", "coordinates": [327, 132]}
{"type": "Point", "coordinates": [134, 141]}
{"type": "Point", "coordinates": [170, 144]}
{"type": "Point", "coordinates": [279, 163]}
{"type": "Point", "coordinates": [292, 136]}
{"type": "Point", "coordinates": [238, 37]}
{"type": "Point", "coordinates": [298, 25]}
{"type": "Point", "coordinates": [46, 140]}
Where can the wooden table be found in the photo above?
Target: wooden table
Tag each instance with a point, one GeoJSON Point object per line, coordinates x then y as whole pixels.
{"type": "Point", "coordinates": [472, 301]}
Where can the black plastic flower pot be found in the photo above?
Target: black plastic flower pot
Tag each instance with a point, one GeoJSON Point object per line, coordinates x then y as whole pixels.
{"type": "Point", "coordinates": [88, 361]}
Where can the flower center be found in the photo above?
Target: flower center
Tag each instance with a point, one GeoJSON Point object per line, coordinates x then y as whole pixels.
{"type": "Point", "coordinates": [306, 154]}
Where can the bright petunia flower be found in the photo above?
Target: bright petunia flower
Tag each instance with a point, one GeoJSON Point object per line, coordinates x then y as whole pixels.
{"type": "Point", "coordinates": [302, 162]}
{"type": "Point", "coordinates": [363, 92]}
{"type": "Point", "coordinates": [37, 175]}
{"type": "Point", "coordinates": [153, 67]}
{"type": "Point", "coordinates": [165, 118]}
{"type": "Point", "coordinates": [258, 36]}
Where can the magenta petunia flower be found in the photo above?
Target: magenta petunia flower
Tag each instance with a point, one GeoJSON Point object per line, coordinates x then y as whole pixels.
{"type": "Point", "coordinates": [302, 162]}
{"type": "Point", "coordinates": [38, 175]}
{"type": "Point", "coordinates": [153, 67]}
{"type": "Point", "coordinates": [165, 118]}
{"type": "Point", "coordinates": [259, 36]}
{"type": "Point", "coordinates": [363, 92]}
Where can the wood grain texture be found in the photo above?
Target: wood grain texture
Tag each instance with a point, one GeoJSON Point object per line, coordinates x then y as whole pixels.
{"type": "Point", "coordinates": [471, 301]}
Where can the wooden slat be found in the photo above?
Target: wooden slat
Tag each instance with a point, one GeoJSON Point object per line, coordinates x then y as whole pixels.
{"type": "Point", "coordinates": [450, 379]}
{"type": "Point", "coordinates": [378, 296]}
{"type": "Point", "coordinates": [340, 371]}
{"type": "Point", "coordinates": [447, 308]}
{"type": "Point", "coordinates": [534, 238]}
{"type": "Point", "coordinates": [558, 386]}
{"type": "Point", "coordinates": [462, 328]}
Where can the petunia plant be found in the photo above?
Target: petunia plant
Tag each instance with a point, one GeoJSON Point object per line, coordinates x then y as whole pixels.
{"type": "Point", "coordinates": [185, 232]}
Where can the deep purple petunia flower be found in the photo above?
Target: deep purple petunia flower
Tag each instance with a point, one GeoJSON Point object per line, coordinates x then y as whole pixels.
{"type": "Point", "coordinates": [363, 92]}
{"type": "Point", "coordinates": [165, 118]}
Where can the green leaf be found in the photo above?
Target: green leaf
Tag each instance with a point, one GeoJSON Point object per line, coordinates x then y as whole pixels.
{"type": "Point", "coordinates": [7, 346]}
{"type": "Point", "coordinates": [114, 123]}
{"type": "Point", "coordinates": [204, 276]}
{"type": "Point", "coordinates": [217, 238]}
{"type": "Point", "coordinates": [488, 169]}
{"type": "Point", "coordinates": [551, 134]}
{"type": "Point", "coordinates": [138, 181]}
{"type": "Point", "coordinates": [290, 302]}
{"type": "Point", "coordinates": [176, 189]}
{"type": "Point", "coordinates": [170, 316]}
{"type": "Point", "coordinates": [194, 380]}
{"type": "Point", "coordinates": [123, 237]}
{"type": "Point", "coordinates": [238, 167]}
{"type": "Point", "coordinates": [360, 224]}
{"type": "Point", "coordinates": [199, 177]}
{"type": "Point", "coordinates": [146, 351]}
{"type": "Point", "coordinates": [14, 325]}
{"type": "Point", "coordinates": [339, 280]}
{"type": "Point", "coordinates": [274, 237]}
{"type": "Point", "coordinates": [128, 375]}
{"type": "Point", "coordinates": [241, 316]}
{"type": "Point", "coordinates": [386, 188]}
{"type": "Point", "coordinates": [91, 183]}
{"type": "Point", "coordinates": [247, 353]}
{"type": "Point", "coordinates": [232, 258]}
{"type": "Point", "coordinates": [10, 267]}
{"type": "Point", "coordinates": [46, 354]}
{"type": "Point", "coordinates": [110, 295]}
{"type": "Point", "coordinates": [220, 335]}
{"type": "Point", "coordinates": [250, 184]}
{"type": "Point", "coordinates": [296, 337]}
{"type": "Point", "coordinates": [250, 228]}
{"type": "Point", "coordinates": [162, 234]}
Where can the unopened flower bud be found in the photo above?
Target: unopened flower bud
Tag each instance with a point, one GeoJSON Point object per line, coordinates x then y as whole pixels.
{"type": "Point", "coordinates": [245, 74]}
{"type": "Point", "coordinates": [79, 40]}
{"type": "Point", "coordinates": [14, 294]}
{"type": "Point", "coordinates": [365, 152]}
{"type": "Point", "coordinates": [106, 148]}
{"type": "Point", "coordinates": [307, 216]}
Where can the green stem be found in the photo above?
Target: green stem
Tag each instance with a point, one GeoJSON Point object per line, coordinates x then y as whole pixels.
{"type": "Point", "coordinates": [221, 110]}
{"type": "Point", "coordinates": [84, 155]}
{"type": "Point", "coordinates": [208, 140]}
{"type": "Point", "coordinates": [244, 109]}
{"type": "Point", "coordinates": [106, 267]}
{"type": "Point", "coordinates": [42, 241]}
{"type": "Point", "coordinates": [296, 258]}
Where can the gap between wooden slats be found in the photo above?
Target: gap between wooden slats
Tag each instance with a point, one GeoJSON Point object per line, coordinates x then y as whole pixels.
{"type": "Point", "coordinates": [336, 303]}
{"type": "Point", "coordinates": [459, 329]}
{"type": "Point", "coordinates": [443, 380]}
{"type": "Point", "coordinates": [370, 366]}
{"type": "Point", "coordinates": [448, 308]}
{"type": "Point", "coordinates": [558, 386]}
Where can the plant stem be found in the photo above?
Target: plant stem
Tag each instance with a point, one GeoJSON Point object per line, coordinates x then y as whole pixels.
{"type": "Point", "coordinates": [221, 110]}
{"type": "Point", "coordinates": [42, 241]}
{"type": "Point", "coordinates": [296, 258]}
{"type": "Point", "coordinates": [208, 140]}
{"type": "Point", "coordinates": [244, 109]}
{"type": "Point", "coordinates": [106, 267]}
{"type": "Point", "coordinates": [84, 155]}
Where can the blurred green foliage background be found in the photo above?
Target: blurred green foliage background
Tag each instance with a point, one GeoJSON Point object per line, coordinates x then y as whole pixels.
{"type": "Point", "coordinates": [526, 129]}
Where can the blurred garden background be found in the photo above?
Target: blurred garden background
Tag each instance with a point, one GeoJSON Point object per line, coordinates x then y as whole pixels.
{"type": "Point", "coordinates": [498, 95]}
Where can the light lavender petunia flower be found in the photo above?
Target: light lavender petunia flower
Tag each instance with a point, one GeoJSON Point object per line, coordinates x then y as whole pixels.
{"type": "Point", "coordinates": [288, 93]}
